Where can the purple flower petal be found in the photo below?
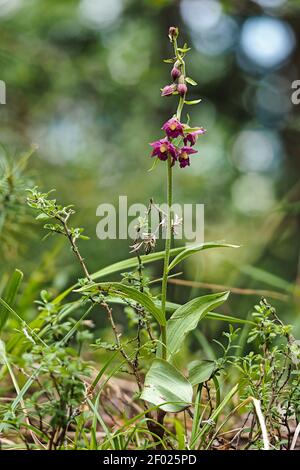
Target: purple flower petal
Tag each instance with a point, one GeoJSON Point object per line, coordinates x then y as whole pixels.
{"type": "Point", "coordinates": [192, 137]}
{"type": "Point", "coordinates": [173, 128]}
{"type": "Point", "coordinates": [183, 157]}
{"type": "Point", "coordinates": [162, 149]}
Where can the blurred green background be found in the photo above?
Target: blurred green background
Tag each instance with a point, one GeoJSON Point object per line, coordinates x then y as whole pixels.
{"type": "Point", "coordinates": [83, 83]}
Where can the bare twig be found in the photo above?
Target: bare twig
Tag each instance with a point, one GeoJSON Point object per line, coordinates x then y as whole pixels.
{"type": "Point", "coordinates": [234, 290]}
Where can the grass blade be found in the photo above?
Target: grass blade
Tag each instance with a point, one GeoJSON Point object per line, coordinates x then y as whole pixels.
{"type": "Point", "coordinates": [9, 295]}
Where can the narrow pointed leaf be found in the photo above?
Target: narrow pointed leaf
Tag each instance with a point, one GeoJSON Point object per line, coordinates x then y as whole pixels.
{"type": "Point", "coordinates": [193, 102]}
{"type": "Point", "coordinates": [152, 257]}
{"type": "Point", "coordinates": [268, 278]}
{"type": "Point", "coordinates": [215, 414]}
{"type": "Point", "coordinates": [9, 295]}
{"type": "Point", "coordinates": [191, 81]}
{"type": "Point", "coordinates": [121, 266]}
{"type": "Point", "coordinates": [171, 307]}
{"type": "Point", "coordinates": [190, 250]}
{"type": "Point", "coordinates": [132, 262]}
{"type": "Point", "coordinates": [183, 49]}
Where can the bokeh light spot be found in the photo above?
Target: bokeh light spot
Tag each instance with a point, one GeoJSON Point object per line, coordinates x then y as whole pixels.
{"type": "Point", "coordinates": [100, 14]}
{"type": "Point", "coordinates": [201, 15]}
{"type": "Point", "coordinates": [266, 41]}
{"type": "Point", "coordinates": [256, 150]}
{"type": "Point", "coordinates": [128, 56]}
{"type": "Point", "coordinates": [270, 3]}
{"type": "Point", "coordinates": [253, 194]}
{"type": "Point", "coordinates": [8, 7]}
{"type": "Point", "coordinates": [219, 39]}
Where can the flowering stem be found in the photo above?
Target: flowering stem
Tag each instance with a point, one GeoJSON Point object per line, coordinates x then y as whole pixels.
{"type": "Point", "coordinates": [169, 216]}
{"type": "Point", "coordinates": [180, 59]}
{"type": "Point", "coordinates": [167, 256]}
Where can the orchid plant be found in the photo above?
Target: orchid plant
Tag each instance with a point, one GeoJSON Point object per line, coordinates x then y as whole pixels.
{"type": "Point", "coordinates": [162, 327]}
{"type": "Point", "coordinates": [162, 385]}
{"type": "Point", "coordinates": [175, 147]}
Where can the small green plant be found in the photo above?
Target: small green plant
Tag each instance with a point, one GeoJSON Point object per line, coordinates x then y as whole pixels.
{"type": "Point", "coordinates": [270, 373]}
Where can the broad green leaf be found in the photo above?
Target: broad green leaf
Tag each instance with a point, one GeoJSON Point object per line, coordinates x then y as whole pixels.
{"type": "Point", "coordinates": [166, 387]}
{"type": "Point", "coordinates": [200, 371]}
{"type": "Point", "coordinates": [9, 295]}
{"type": "Point", "coordinates": [117, 288]}
{"type": "Point", "coordinates": [190, 250]}
{"type": "Point", "coordinates": [187, 317]}
{"type": "Point", "coordinates": [171, 307]}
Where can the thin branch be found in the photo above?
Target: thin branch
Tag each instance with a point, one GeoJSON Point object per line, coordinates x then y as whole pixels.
{"type": "Point", "coordinates": [234, 290]}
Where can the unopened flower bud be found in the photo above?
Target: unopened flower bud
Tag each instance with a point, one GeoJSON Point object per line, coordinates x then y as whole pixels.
{"type": "Point", "coordinates": [182, 89]}
{"type": "Point", "coordinates": [175, 73]}
{"type": "Point", "coordinates": [168, 90]}
{"type": "Point", "coordinates": [173, 33]}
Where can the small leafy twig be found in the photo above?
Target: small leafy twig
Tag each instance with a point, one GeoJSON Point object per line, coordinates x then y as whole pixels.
{"type": "Point", "coordinates": [50, 209]}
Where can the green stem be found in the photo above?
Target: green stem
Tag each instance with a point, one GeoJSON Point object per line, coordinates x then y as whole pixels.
{"type": "Point", "coordinates": [180, 107]}
{"type": "Point", "coordinates": [169, 219]}
{"type": "Point", "coordinates": [167, 256]}
{"type": "Point", "coordinates": [182, 98]}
